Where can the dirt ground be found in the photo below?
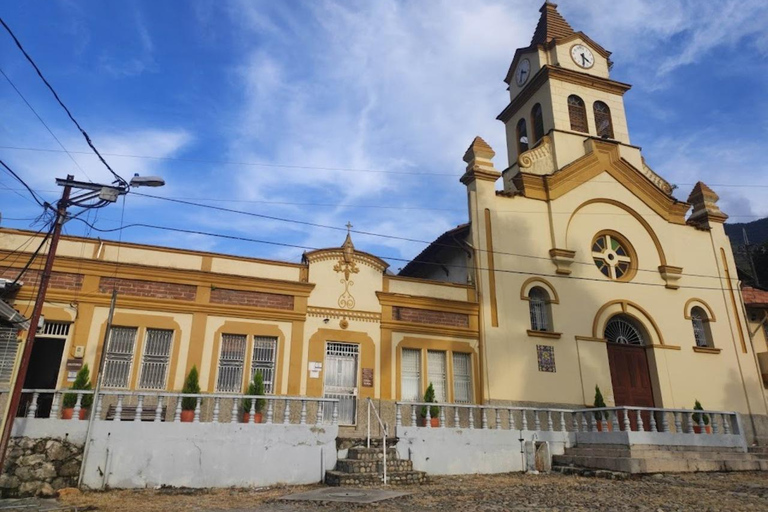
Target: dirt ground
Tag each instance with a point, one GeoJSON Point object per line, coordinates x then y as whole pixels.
{"type": "Point", "coordinates": [700, 492]}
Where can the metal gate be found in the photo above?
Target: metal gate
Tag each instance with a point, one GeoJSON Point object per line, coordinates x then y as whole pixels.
{"type": "Point", "coordinates": [340, 380]}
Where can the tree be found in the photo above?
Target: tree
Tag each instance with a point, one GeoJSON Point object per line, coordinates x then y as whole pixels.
{"type": "Point", "coordinates": [82, 381]}
{"type": "Point", "coordinates": [191, 387]}
{"type": "Point", "coordinates": [429, 397]}
{"type": "Point", "coordinates": [256, 387]}
{"type": "Point", "coordinates": [599, 403]}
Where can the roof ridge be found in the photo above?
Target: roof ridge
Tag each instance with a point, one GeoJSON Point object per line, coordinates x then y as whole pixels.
{"type": "Point", "coordinates": [551, 25]}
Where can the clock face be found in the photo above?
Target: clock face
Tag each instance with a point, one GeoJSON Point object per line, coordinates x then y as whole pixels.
{"type": "Point", "coordinates": [523, 71]}
{"type": "Point", "coordinates": [582, 56]}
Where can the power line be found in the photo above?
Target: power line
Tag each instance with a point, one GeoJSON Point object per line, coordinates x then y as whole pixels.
{"type": "Point", "coordinates": [380, 235]}
{"type": "Point", "coordinates": [44, 124]}
{"type": "Point", "coordinates": [55, 95]}
{"type": "Point", "coordinates": [310, 248]}
{"type": "Point", "coordinates": [317, 168]}
{"type": "Point", "coordinates": [34, 255]}
{"type": "Point", "coordinates": [34, 194]}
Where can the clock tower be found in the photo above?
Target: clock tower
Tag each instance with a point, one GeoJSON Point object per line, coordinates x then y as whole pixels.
{"type": "Point", "coordinates": [561, 95]}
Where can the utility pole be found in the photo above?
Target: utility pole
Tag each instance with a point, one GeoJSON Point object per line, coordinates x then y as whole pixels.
{"type": "Point", "coordinates": [13, 406]}
{"type": "Point", "coordinates": [102, 195]}
{"type": "Point", "coordinates": [748, 248]}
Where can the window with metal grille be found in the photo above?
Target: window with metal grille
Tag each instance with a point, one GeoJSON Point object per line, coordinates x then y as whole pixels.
{"type": "Point", "coordinates": [577, 113]}
{"type": "Point", "coordinates": [9, 345]}
{"type": "Point", "coordinates": [436, 373]}
{"type": "Point", "coordinates": [701, 331]}
{"type": "Point", "coordinates": [263, 360]}
{"type": "Point", "coordinates": [603, 123]}
{"type": "Point", "coordinates": [538, 303]}
{"type": "Point", "coordinates": [231, 359]}
{"type": "Point", "coordinates": [55, 329]}
{"type": "Point", "coordinates": [154, 362]}
{"type": "Point", "coordinates": [522, 137]}
{"type": "Point", "coordinates": [462, 378]}
{"type": "Point", "coordinates": [537, 121]}
{"type": "Point", "coordinates": [119, 357]}
{"type": "Point", "coordinates": [410, 375]}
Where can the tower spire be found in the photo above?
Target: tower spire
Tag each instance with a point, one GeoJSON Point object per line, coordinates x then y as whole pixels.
{"type": "Point", "coordinates": [551, 25]}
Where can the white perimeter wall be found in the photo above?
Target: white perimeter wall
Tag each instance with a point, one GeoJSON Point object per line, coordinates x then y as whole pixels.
{"type": "Point", "coordinates": [448, 451]}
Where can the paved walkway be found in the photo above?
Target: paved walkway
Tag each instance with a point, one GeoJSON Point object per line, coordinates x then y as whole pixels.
{"type": "Point", "coordinates": [514, 492]}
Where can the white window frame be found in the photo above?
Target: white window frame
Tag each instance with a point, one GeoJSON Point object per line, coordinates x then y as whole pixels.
{"type": "Point", "coordinates": [438, 375]}
{"type": "Point", "coordinates": [464, 380]}
{"type": "Point", "coordinates": [702, 333]}
{"type": "Point", "coordinates": [262, 364]}
{"type": "Point", "coordinates": [155, 359]}
{"type": "Point", "coordinates": [113, 358]}
{"type": "Point", "coordinates": [406, 373]}
{"type": "Point", "coordinates": [538, 306]}
{"type": "Point", "coordinates": [228, 365]}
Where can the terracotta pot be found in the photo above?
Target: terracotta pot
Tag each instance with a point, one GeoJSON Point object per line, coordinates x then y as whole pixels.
{"type": "Point", "coordinates": [187, 416]}
{"type": "Point", "coordinates": [66, 413]}
{"type": "Point", "coordinates": [433, 422]}
{"type": "Point", "coordinates": [247, 417]}
{"type": "Point", "coordinates": [697, 429]}
{"type": "Point", "coordinates": [600, 426]}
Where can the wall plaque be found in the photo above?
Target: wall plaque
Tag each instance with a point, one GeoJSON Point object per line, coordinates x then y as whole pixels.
{"type": "Point", "coordinates": [367, 377]}
{"type": "Point", "coordinates": [73, 366]}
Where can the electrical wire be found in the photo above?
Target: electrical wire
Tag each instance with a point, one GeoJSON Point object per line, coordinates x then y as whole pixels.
{"type": "Point", "coordinates": [380, 235]}
{"type": "Point", "coordinates": [44, 124]}
{"type": "Point", "coordinates": [34, 255]}
{"type": "Point", "coordinates": [391, 258]}
{"type": "Point", "coordinates": [61, 103]}
{"type": "Point", "coordinates": [317, 168]}
{"type": "Point", "coordinates": [38, 200]}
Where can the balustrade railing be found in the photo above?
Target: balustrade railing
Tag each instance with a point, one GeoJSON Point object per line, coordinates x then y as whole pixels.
{"type": "Point", "coordinates": [607, 419]}
{"type": "Point", "coordinates": [114, 405]}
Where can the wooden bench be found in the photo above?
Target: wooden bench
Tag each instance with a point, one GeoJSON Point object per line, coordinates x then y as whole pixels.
{"type": "Point", "coordinates": [129, 413]}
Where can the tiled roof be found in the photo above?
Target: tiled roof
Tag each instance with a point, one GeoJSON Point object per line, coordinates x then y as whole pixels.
{"type": "Point", "coordinates": [754, 296]}
{"type": "Point", "coordinates": [442, 241]}
{"type": "Point", "coordinates": [551, 25]}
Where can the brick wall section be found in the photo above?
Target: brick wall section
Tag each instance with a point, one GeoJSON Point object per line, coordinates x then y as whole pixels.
{"type": "Point", "coordinates": [60, 280]}
{"type": "Point", "coordinates": [154, 289]}
{"type": "Point", "coordinates": [257, 299]}
{"type": "Point", "coordinates": [428, 316]}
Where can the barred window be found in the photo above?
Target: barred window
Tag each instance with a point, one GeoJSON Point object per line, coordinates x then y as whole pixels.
{"type": "Point", "coordinates": [462, 378]}
{"type": "Point", "coordinates": [436, 373]}
{"type": "Point", "coordinates": [538, 303]}
{"type": "Point", "coordinates": [537, 121]}
{"type": "Point", "coordinates": [263, 360]}
{"type": "Point", "coordinates": [603, 122]}
{"type": "Point", "coordinates": [410, 375]}
{"type": "Point", "coordinates": [701, 331]}
{"type": "Point", "coordinates": [9, 345]}
{"type": "Point", "coordinates": [119, 357]}
{"type": "Point", "coordinates": [154, 362]}
{"type": "Point", "coordinates": [577, 113]}
{"type": "Point", "coordinates": [231, 358]}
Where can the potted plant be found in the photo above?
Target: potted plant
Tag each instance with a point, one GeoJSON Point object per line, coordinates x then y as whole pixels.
{"type": "Point", "coordinates": [434, 411]}
{"type": "Point", "coordinates": [191, 387]}
{"type": "Point", "coordinates": [600, 415]}
{"type": "Point", "coordinates": [256, 387]}
{"type": "Point", "coordinates": [82, 381]}
{"type": "Point", "coordinates": [697, 417]}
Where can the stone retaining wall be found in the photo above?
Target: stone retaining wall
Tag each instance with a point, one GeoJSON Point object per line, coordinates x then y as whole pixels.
{"type": "Point", "coordinates": [40, 467]}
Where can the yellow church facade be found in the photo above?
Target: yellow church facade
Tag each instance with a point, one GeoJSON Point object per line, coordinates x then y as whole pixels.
{"type": "Point", "coordinates": [577, 268]}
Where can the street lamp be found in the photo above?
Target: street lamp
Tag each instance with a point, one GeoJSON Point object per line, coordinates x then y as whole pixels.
{"type": "Point", "coordinates": [93, 195]}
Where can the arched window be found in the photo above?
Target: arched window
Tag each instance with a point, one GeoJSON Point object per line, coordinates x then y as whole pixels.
{"type": "Point", "coordinates": [538, 302]}
{"type": "Point", "coordinates": [624, 330]}
{"type": "Point", "coordinates": [522, 137]}
{"type": "Point", "coordinates": [603, 120]}
{"type": "Point", "coordinates": [578, 114]}
{"type": "Point", "coordinates": [701, 331]}
{"type": "Point", "coordinates": [537, 120]}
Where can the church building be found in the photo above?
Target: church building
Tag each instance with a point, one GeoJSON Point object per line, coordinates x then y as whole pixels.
{"type": "Point", "coordinates": [577, 268]}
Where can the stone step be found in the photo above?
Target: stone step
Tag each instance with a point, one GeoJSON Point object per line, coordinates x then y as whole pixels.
{"type": "Point", "coordinates": [655, 454]}
{"type": "Point", "coordinates": [655, 447]}
{"type": "Point", "coordinates": [337, 478]}
{"type": "Point", "coordinates": [361, 453]}
{"type": "Point", "coordinates": [343, 443]}
{"type": "Point", "coordinates": [759, 451]}
{"type": "Point", "coordinates": [372, 466]}
{"type": "Point", "coordinates": [676, 465]}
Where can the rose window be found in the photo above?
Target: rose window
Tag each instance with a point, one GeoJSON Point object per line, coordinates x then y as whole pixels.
{"type": "Point", "coordinates": [613, 256]}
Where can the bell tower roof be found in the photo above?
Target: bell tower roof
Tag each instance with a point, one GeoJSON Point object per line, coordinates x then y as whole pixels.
{"type": "Point", "coordinates": [551, 25]}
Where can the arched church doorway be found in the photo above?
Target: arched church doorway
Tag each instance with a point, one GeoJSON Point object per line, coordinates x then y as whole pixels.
{"type": "Point", "coordinates": [628, 360]}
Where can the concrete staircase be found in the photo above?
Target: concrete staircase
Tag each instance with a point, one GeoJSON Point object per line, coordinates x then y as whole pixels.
{"type": "Point", "coordinates": [365, 466]}
{"type": "Point", "coordinates": [639, 459]}
{"type": "Point", "coordinates": [760, 452]}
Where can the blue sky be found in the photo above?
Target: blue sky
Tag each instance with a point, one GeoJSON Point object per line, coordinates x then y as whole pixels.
{"type": "Point", "coordinates": [299, 89]}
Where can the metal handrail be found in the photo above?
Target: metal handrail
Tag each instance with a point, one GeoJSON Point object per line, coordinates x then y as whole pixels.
{"type": "Point", "coordinates": [384, 434]}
